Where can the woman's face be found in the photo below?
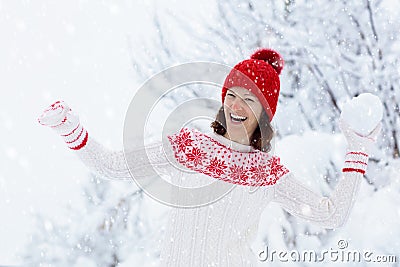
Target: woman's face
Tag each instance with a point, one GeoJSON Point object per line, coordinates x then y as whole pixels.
{"type": "Point", "coordinates": [242, 112]}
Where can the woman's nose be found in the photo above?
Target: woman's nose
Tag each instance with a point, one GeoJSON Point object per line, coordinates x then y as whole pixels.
{"type": "Point", "coordinates": [237, 105]}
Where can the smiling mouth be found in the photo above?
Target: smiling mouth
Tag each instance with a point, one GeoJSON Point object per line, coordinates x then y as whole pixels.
{"type": "Point", "coordinates": [237, 118]}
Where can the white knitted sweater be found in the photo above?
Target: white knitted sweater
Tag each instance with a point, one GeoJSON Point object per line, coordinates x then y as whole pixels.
{"type": "Point", "coordinates": [220, 234]}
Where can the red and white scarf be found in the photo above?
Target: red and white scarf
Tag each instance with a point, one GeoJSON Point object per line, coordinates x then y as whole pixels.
{"type": "Point", "coordinates": [203, 154]}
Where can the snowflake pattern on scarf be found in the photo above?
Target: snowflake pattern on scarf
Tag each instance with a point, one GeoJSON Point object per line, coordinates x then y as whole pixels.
{"type": "Point", "coordinates": [201, 153]}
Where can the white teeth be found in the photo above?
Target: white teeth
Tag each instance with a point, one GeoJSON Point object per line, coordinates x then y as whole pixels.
{"type": "Point", "coordinates": [238, 117]}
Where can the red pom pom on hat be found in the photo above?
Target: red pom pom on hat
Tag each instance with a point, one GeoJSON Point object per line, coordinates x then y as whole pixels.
{"type": "Point", "coordinates": [260, 75]}
{"type": "Point", "coordinates": [271, 57]}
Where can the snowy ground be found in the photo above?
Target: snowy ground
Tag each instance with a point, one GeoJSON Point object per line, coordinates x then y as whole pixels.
{"type": "Point", "coordinates": [79, 52]}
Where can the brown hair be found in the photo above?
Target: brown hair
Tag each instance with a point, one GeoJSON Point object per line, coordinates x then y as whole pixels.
{"type": "Point", "coordinates": [262, 136]}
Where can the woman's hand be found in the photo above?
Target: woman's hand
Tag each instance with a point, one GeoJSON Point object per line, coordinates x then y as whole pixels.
{"type": "Point", "coordinates": [357, 142]}
{"type": "Point", "coordinates": [60, 117]}
{"type": "Point", "coordinates": [360, 121]}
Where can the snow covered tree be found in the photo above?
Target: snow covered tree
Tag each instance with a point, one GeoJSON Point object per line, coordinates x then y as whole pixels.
{"type": "Point", "coordinates": [113, 228]}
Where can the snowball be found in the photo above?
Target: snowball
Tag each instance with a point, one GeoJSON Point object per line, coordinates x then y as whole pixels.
{"type": "Point", "coordinates": [363, 113]}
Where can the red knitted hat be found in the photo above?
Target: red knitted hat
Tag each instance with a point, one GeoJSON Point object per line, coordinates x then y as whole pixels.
{"type": "Point", "coordinates": [260, 75]}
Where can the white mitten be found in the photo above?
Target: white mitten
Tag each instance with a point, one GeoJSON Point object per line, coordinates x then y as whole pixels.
{"type": "Point", "coordinates": [60, 117]}
{"type": "Point", "coordinates": [357, 142]}
{"type": "Point", "coordinates": [358, 148]}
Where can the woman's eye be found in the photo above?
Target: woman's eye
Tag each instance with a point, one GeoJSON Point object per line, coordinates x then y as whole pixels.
{"type": "Point", "coordinates": [230, 94]}
{"type": "Point", "coordinates": [249, 99]}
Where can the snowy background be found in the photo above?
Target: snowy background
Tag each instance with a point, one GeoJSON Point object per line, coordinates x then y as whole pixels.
{"type": "Point", "coordinates": [95, 54]}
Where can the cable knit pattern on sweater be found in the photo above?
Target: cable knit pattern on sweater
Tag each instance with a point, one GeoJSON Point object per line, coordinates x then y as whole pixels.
{"type": "Point", "coordinates": [220, 234]}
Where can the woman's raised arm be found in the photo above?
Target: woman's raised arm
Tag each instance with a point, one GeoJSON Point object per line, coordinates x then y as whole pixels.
{"type": "Point", "coordinates": [100, 160]}
{"type": "Point", "coordinates": [329, 212]}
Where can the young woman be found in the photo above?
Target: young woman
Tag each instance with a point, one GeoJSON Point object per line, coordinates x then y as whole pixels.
{"type": "Point", "coordinates": [237, 153]}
